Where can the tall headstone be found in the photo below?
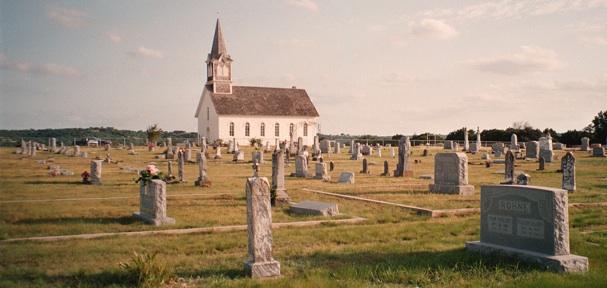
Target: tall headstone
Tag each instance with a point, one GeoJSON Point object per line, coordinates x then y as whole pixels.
{"type": "Point", "coordinates": [300, 145]}
{"type": "Point", "coordinates": [466, 142]}
{"type": "Point", "coordinates": [153, 203]}
{"type": "Point", "coordinates": [451, 174]}
{"type": "Point", "coordinates": [478, 138]}
{"type": "Point", "coordinates": [169, 142]}
{"type": "Point", "coordinates": [203, 178]}
{"type": "Point", "coordinates": [230, 147]}
{"type": "Point", "coordinates": [76, 151]}
{"type": "Point", "coordinates": [53, 145]}
{"type": "Point", "coordinates": [365, 167]}
{"type": "Point", "coordinates": [403, 168]}
{"type": "Point", "coordinates": [278, 176]}
{"type": "Point", "coordinates": [509, 168]}
{"type": "Point", "coordinates": [542, 164]}
{"type": "Point", "coordinates": [513, 142]}
{"type": "Point", "coordinates": [32, 149]}
{"type": "Point", "coordinates": [337, 148]}
{"type": "Point", "coordinates": [170, 168]}
{"type": "Point", "coordinates": [321, 172]}
{"type": "Point", "coordinates": [217, 152]}
{"type": "Point", "coordinates": [530, 223]}
{"type": "Point", "coordinates": [96, 172]}
{"type": "Point", "coordinates": [546, 148]}
{"type": "Point", "coordinates": [331, 166]}
{"type": "Point", "coordinates": [568, 169]}
{"type": "Point", "coordinates": [392, 152]}
{"type": "Point", "coordinates": [356, 153]}
{"type": "Point", "coordinates": [260, 264]}
{"type": "Point", "coordinates": [325, 146]}
{"type": "Point", "coordinates": [132, 146]}
{"type": "Point", "coordinates": [187, 154]}
{"type": "Point", "coordinates": [386, 169]}
{"type": "Point", "coordinates": [180, 166]}
{"type": "Point", "coordinates": [585, 144]}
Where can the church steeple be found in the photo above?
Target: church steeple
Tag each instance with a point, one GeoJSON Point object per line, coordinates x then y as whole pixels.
{"type": "Point", "coordinates": [219, 64]}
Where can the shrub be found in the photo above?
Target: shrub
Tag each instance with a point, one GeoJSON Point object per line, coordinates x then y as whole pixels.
{"type": "Point", "coordinates": [145, 271]}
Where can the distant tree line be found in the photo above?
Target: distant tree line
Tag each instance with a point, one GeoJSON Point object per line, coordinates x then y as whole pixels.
{"type": "Point", "coordinates": [67, 135]}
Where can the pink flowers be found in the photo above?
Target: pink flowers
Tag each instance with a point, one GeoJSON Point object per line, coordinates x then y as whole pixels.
{"type": "Point", "coordinates": [152, 169]}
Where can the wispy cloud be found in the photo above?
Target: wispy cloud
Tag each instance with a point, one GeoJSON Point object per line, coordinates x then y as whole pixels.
{"type": "Point", "coordinates": [530, 60]}
{"type": "Point", "coordinates": [146, 52]}
{"type": "Point", "coordinates": [594, 41]}
{"type": "Point", "coordinates": [51, 69]}
{"type": "Point", "coordinates": [70, 18]}
{"type": "Point", "coordinates": [295, 42]}
{"type": "Point", "coordinates": [432, 28]}
{"type": "Point", "coordinates": [306, 4]}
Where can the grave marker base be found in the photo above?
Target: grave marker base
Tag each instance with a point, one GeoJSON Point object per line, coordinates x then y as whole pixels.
{"type": "Point", "coordinates": [269, 269]}
{"type": "Point", "coordinates": [452, 189]}
{"type": "Point", "coordinates": [154, 221]}
{"type": "Point", "coordinates": [562, 264]}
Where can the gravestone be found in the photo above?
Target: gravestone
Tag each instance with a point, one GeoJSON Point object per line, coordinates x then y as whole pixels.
{"type": "Point", "coordinates": [529, 223]}
{"type": "Point", "coordinates": [316, 152]}
{"type": "Point", "coordinates": [403, 168]}
{"type": "Point", "coordinates": [598, 152]}
{"type": "Point", "coordinates": [337, 148]}
{"type": "Point", "coordinates": [32, 150]}
{"type": "Point", "coordinates": [180, 166]}
{"type": "Point", "coordinates": [365, 167]}
{"type": "Point", "coordinates": [466, 142]}
{"type": "Point", "coordinates": [238, 156]}
{"type": "Point", "coordinates": [568, 169]}
{"type": "Point", "coordinates": [523, 179]}
{"type": "Point", "coordinates": [53, 145]}
{"type": "Point", "coordinates": [425, 152]}
{"type": "Point", "coordinates": [278, 176]}
{"type": "Point", "coordinates": [321, 172]}
{"type": "Point", "coordinates": [367, 150]}
{"type": "Point", "coordinates": [315, 208]}
{"type": "Point", "coordinates": [585, 144]}
{"type": "Point", "coordinates": [260, 264]}
{"type": "Point", "coordinates": [300, 146]}
{"type": "Point", "coordinates": [542, 163]}
{"type": "Point", "coordinates": [546, 148]}
{"type": "Point", "coordinates": [170, 168]}
{"type": "Point", "coordinates": [455, 147]}
{"type": "Point", "coordinates": [203, 178]}
{"type": "Point", "coordinates": [386, 169]}
{"type": "Point", "coordinates": [509, 168]}
{"type": "Point", "coordinates": [217, 152]}
{"type": "Point", "coordinates": [331, 166]}
{"type": "Point", "coordinates": [153, 203]}
{"type": "Point", "coordinates": [478, 139]}
{"type": "Point", "coordinates": [356, 154]}
{"type": "Point", "coordinates": [96, 172]}
{"type": "Point", "coordinates": [448, 145]}
{"type": "Point", "coordinates": [513, 142]}
{"type": "Point", "coordinates": [351, 146]}
{"type": "Point", "coordinates": [188, 154]}
{"type": "Point", "coordinates": [346, 177]}
{"type": "Point", "coordinates": [498, 148]}
{"type": "Point", "coordinates": [532, 149]}
{"type": "Point", "coordinates": [76, 151]}
{"type": "Point", "coordinates": [378, 152]}
{"type": "Point", "coordinates": [230, 147]}
{"type": "Point", "coordinates": [301, 167]}
{"type": "Point", "coordinates": [473, 147]}
{"type": "Point", "coordinates": [132, 146]}
{"type": "Point", "coordinates": [558, 146]}
{"type": "Point", "coordinates": [257, 156]}
{"type": "Point", "coordinates": [451, 174]}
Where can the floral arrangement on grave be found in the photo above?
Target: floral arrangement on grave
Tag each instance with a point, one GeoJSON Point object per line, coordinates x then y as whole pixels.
{"type": "Point", "coordinates": [86, 177]}
{"type": "Point", "coordinates": [55, 171]}
{"type": "Point", "coordinates": [151, 173]}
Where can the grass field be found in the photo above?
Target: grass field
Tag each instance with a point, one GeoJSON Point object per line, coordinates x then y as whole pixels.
{"type": "Point", "coordinates": [394, 247]}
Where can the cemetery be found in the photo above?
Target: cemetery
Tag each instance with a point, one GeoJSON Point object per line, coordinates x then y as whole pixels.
{"type": "Point", "coordinates": [459, 228]}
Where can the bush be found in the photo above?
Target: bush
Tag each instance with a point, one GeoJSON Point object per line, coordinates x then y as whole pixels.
{"type": "Point", "coordinates": [145, 271]}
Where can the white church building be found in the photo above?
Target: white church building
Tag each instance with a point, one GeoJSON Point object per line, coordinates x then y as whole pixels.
{"type": "Point", "coordinates": [230, 112]}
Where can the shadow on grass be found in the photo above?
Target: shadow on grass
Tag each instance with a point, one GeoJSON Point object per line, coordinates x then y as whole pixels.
{"type": "Point", "coordinates": [55, 182]}
{"type": "Point", "coordinates": [112, 278]}
{"type": "Point", "coordinates": [125, 220]}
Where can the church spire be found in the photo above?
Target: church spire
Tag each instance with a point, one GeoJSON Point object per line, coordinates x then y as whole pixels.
{"type": "Point", "coordinates": [219, 65]}
{"type": "Point", "coordinates": [219, 45]}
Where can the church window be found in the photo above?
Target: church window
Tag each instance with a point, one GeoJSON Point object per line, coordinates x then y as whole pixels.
{"type": "Point", "coordinates": [231, 128]}
{"type": "Point", "coordinates": [207, 113]}
{"type": "Point", "coordinates": [305, 132]}
{"type": "Point", "coordinates": [247, 129]}
{"type": "Point", "coordinates": [291, 129]}
{"type": "Point", "coordinates": [276, 129]}
{"type": "Point", "coordinates": [262, 130]}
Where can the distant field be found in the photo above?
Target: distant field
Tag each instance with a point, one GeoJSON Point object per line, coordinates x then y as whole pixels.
{"type": "Point", "coordinates": [393, 247]}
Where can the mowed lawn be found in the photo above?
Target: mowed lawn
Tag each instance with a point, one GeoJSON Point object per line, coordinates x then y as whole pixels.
{"type": "Point", "coordinates": [393, 247]}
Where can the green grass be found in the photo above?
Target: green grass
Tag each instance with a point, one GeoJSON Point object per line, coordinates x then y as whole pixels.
{"type": "Point", "coordinates": [393, 248]}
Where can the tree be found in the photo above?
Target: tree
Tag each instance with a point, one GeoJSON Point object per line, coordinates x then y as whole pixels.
{"type": "Point", "coordinates": [599, 127]}
{"type": "Point", "coordinates": [459, 134]}
{"type": "Point", "coordinates": [153, 133]}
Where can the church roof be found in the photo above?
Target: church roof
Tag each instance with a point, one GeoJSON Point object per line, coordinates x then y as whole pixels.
{"type": "Point", "coordinates": [219, 45]}
{"type": "Point", "coordinates": [264, 101]}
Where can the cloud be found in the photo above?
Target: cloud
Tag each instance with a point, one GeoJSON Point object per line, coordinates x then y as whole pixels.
{"type": "Point", "coordinates": [295, 42]}
{"type": "Point", "coordinates": [306, 4]}
{"type": "Point", "coordinates": [44, 69]}
{"type": "Point", "coordinates": [530, 60]}
{"type": "Point", "coordinates": [146, 52]}
{"type": "Point", "coordinates": [115, 37]}
{"type": "Point", "coordinates": [432, 28]}
{"type": "Point", "coordinates": [69, 18]}
{"type": "Point", "coordinates": [594, 41]}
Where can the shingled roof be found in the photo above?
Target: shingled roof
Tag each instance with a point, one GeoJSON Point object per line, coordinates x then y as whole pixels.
{"type": "Point", "coordinates": [265, 101]}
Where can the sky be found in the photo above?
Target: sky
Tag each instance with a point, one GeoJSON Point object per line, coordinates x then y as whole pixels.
{"type": "Point", "coordinates": [370, 67]}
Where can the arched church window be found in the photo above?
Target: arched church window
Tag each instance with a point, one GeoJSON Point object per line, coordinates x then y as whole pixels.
{"type": "Point", "coordinates": [232, 129]}
{"type": "Point", "coordinates": [247, 129]}
{"type": "Point", "coordinates": [291, 126]}
{"type": "Point", "coordinates": [276, 129]}
{"type": "Point", "coordinates": [305, 128]}
{"type": "Point", "coordinates": [262, 130]}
